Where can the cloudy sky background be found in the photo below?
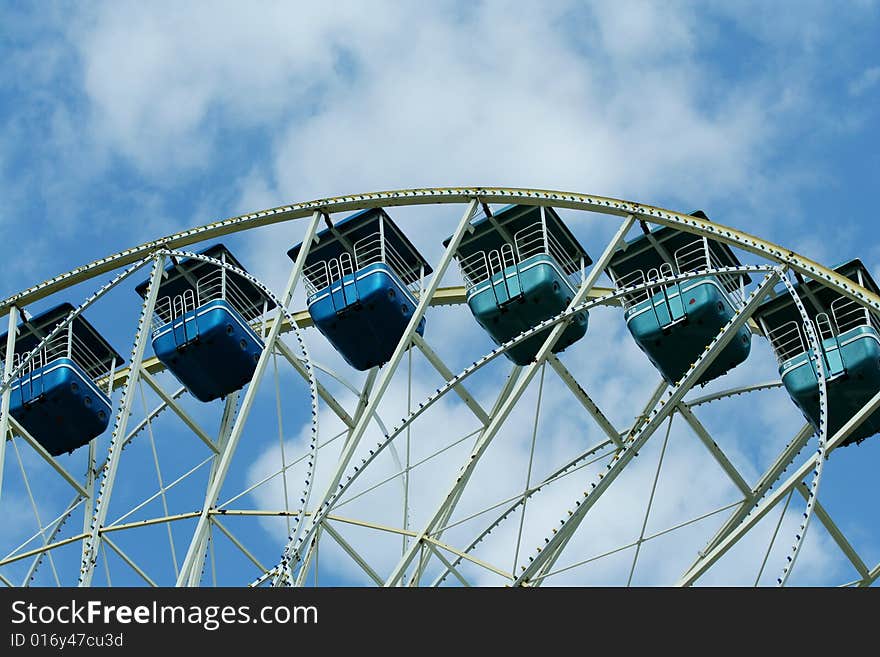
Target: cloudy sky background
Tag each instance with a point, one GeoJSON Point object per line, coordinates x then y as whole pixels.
{"type": "Point", "coordinates": [123, 122]}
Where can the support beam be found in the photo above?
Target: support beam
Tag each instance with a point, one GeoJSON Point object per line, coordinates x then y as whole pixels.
{"type": "Point", "coordinates": [835, 532]}
{"type": "Point", "coordinates": [111, 466]}
{"type": "Point", "coordinates": [149, 580]}
{"type": "Point", "coordinates": [323, 393]}
{"type": "Point", "coordinates": [178, 409]}
{"type": "Point", "coordinates": [192, 555]}
{"type": "Point", "coordinates": [498, 418]}
{"type": "Point", "coordinates": [219, 525]}
{"type": "Point", "coordinates": [582, 396]}
{"type": "Point", "coordinates": [728, 467]}
{"type": "Point", "coordinates": [360, 409]}
{"type": "Point", "coordinates": [464, 225]}
{"type": "Point", "coordinates": [7, 392]}
{"type": "Point", "coordinates": [48, 458]}
{"type": "Point", "coordinates": [638, 421]}
{"type": "Point", "coordinates": [447, 374]}
{"type": "Point", "coordinates": [454, 195]}
{"type": "Point", "coordinates": [760, 489]}
{"type": "Point", "coordinates": [872, 576]}
{"type": "Point", "coordinates": [350, 551]}
{"type": "Point", "coordinates": [763, 507]}
{"type": "Point", "coordinates": [548, 554]}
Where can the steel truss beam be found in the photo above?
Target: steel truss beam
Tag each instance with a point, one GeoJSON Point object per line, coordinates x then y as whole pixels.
{"type": "Point", "coordinates": [407, 197]}
{"type": "Point", "coordinates": [7, 391]}
{"type": "Point", "coordinates": [102, 502]}
{"type": "Point", "coordinates": [548, 554]}
{"type": "Point", "coordinates": [454, 195]}
{"type": "Point", "coordinates": [187, 571]}
{"type": "Point", "coordinates": [821, 513]}
{"type": "Point", "coordinates": [187, 419]}
{"type": "Point", "coordinates": [41, 451]}
{"type": "Point", "coordinates": [765, 505]}
{"type": "Point", "coordinates": [498, 418]}
{"type": "Point", "coordinates": [384, 380]}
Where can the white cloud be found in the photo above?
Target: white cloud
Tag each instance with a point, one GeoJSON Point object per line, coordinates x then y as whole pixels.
{"type": "Point", "coordinates": [618, 99]}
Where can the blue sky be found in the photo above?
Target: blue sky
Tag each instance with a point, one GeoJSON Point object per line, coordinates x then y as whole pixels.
{"type": "Point", "coordinates": [122, 122]}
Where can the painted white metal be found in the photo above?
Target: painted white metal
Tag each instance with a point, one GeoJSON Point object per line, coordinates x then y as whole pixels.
{"type": "Point", "coordinates": [765, 505]}
{"type": "Point", "coordinates": [585, 400]}
{"type": "Point", "coordinates": [500, 416]}
{"type": "Point", "coordinates": [226, 455]}
{"type": "Point", "coordinates": [360, 410]}
{"type": "Point", "coordinates": [48, 458]}
{"type": "Point", "coordinates": [128, 560]}
{"type": "Point", "coordinates": [701, 432]}
{"type": "Point", "coordinates": [636, 440]}
{"type": "Point", "coordinates": [683, 407]}
{"type": "Point", "coordinates": [350, 551]}
{"type": "Point", "coordinates": [817, 356]}
{"type": "Point", "coordinates": [835, 532]}
{"type": "Point", "coordinates": [290, 552]}
{"type": "Point", "coordinates": [456, 195]}
{"type": "Point", "coordinates": [35, 509]}
{"type": "Point", "coordinates": [237, 543]}
{"type": "Point", "coordinates": [179, 410]}
{"type": "Point", "coordinates": [447, 374]}
{"type": "Point", "coordinates": [102, 501]}
{"type": "Point", "coordinates": [650, 504]}
{"type": "Point", "coordinates": [7, 391]}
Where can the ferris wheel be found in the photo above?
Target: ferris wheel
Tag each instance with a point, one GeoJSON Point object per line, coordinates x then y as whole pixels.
{"type": "Point", "coordinates": [515, 411]}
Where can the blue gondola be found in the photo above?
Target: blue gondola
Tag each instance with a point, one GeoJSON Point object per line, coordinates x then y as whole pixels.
{"type": "Point", "coordinates": [673, 324]}
{"type": "Point", "coordinates": [57, 398]}
{"type": "Point", "coordinates": [520, 267]}
{"type": "Point", "coordinates": [206, 323]}
{"type": "Point", "coordinates": [850, 345]}
{"type": "Point", "coordinates": [362, 277]}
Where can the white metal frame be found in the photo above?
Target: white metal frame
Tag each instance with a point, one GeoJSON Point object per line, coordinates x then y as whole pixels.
{"type": "Point", "coordinates": [317, 518]}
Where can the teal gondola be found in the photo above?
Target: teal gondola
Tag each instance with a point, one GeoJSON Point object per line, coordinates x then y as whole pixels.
{"type": "Point", "coordinates": [362, 278]}
{"type": "Point", "coordinates": [61, 397]}
{"type": "Point", "coordinates": [521, 266]}
{"type": "Point", "coordinates": [207, 324]}
{"type": "Point", "coordinates": [849, 338]}
{"type": "Point", "coordinates": [673, 323]}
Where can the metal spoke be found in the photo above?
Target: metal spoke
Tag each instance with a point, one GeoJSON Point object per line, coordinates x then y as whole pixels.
{"type": "Point", "coordinates": [238, 427]}
{"type": "Point", "coordinates": [431, 551]}
{"type": "Point", "coordinates": [519, 388]}
{"type": "Point", "coordinates": [525, 499]}
{"type": "Point", "coordinates": [270, 477]}
{"type": "Point", "coordinates": [548, 554]}
{"type": "Point", "coordinates": [35, 510]}
{"type": "Point", "coordinates": [666, 531]}
{"type": "Point", "coordinates": [761, 509]}
{"type": "Point", "coordinates": [281, 439]}
{"type": "Point", "coordinates": [91, 544]}
{"type": "Point", "coordinates": [7, 390]}
{"type": "Point", "coordinates": [160, 481]}
{"type": "Point", "coordinates": [773, 538]}
{"type": "Point", "coordinates": [641, 540]}
{"type": "Point", "coordinates": [128, 560]}
{"type": "Point", "coordinates": [387, 372]}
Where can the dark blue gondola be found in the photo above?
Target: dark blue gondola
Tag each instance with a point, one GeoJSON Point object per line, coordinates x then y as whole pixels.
{"type": "Point", "coordinates": [674, 323]}
{"type": "Point", "coordinates": [521, 266]}
{"type": "Point", "coordinates": [362, 276]}
{"type": "Point", "coordinates": [849, 344]}
{"type": "Point", "coordinates": [57, 398]}
{"type": "Point", "coordinates": [206, 323]}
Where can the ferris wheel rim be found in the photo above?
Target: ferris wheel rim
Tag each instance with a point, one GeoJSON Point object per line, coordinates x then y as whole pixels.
{"type": "Point", "coordinates": [854, 290]}
{"type": "Point", "coordinates": [452, 196]}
